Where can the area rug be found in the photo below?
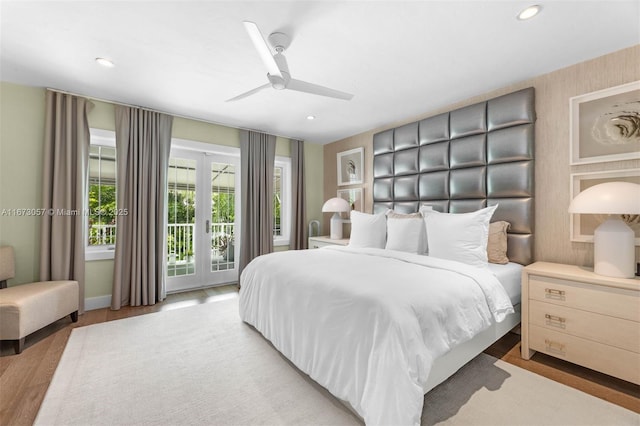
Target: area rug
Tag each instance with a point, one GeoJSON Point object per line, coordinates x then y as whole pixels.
{"type": "Point", "coordinates": [203, 365]}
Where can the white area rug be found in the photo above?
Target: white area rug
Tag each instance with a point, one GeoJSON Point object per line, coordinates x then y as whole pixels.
{"type": "Point", "coordinates": [202, 365]}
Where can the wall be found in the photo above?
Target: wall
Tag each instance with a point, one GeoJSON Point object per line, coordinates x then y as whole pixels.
{"type": "Point", "coordinates": [22, 112]}
{"type": "Point", "coordinates": [552, 169]}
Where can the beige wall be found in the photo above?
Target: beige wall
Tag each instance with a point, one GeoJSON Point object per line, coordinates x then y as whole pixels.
{"type": "Point", "coordinates": [552, 169]}
{"type": "Point", "coordinates": [21, 140]}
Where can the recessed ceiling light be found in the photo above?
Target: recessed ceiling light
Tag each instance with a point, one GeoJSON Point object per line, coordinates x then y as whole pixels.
{"type": "Point", "coordinates": [529, 12]}
{"type": "Point", "coordinates": [311, 117]}
{"type": "Point", "coordinates": [105, 62]}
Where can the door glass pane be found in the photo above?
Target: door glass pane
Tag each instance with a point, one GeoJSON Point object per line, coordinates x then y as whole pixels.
{"type": "Point", "coordinates": [223, 180]}
{"type": "Point", "coordinates": [181, 217]}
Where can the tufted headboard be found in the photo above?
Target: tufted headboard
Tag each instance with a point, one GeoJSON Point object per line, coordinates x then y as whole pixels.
{"type": "Point", "coordinates": [464, 160]}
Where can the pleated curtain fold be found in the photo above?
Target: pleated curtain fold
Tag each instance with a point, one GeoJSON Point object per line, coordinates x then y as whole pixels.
{"type": "Point", "coordinates": [257, 157]}
{"type": "Point", "coordinates": [298, 238]}
{"type": "Point", "coordinates": [143, 144]}
{"type": "Point", "coordinates": [64, 189]}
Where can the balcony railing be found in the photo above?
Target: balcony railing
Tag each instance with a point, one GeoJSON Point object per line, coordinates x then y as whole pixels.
{"type": "Point", "coordinates": [102, 235]}
{"type": "Point", "coordinates": [180, 244]}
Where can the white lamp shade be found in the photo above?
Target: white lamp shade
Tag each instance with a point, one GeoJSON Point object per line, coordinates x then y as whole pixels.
{"type": "Point", "coordinates": [608, 198]}
{"type": "Point", "coordinates": [336, 204]}
{"type": "Point", "coordinates": [613, 240]}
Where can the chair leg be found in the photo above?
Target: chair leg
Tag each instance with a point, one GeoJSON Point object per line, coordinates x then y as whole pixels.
{"type": "Point", "coordinates": [18, 345]}
{"type": "Point", "coordinates": [74, 316]}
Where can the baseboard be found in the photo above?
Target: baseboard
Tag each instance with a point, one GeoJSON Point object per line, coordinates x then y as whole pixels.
{"type": "Point", "coordinates": [98, 302]}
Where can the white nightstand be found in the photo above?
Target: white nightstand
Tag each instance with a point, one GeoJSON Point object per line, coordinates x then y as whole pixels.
{"type": "Point", "coordinates": [571, 313]}
{"type": "Point", "coordinates": [317, 242]}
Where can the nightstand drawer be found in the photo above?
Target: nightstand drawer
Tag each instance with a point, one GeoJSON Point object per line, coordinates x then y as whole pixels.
{"type": "Point", "coordinates": [610, 301]}
{"type": "Point", "coordinates": [621, 333]}
{"type": "Point", "coordinates": [597, 356]}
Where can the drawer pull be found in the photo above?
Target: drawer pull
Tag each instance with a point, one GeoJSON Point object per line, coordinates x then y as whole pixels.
{"type": "Point", "coordinates": [554, 318]}
{"type": "Point", "coordinates": [554, 346]}
{"type": "Point", "coordinates": [552, 293]}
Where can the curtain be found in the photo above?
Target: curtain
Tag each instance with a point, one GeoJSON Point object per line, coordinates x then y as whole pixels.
{"type": "Point", "coordinates": [143, 143]}
{"type": "Point", "coordinates": [65, 185]}
{"type": "Point", "coordinates": [298, 239]}
{"type": "Point", "coordinates": [257, 157]}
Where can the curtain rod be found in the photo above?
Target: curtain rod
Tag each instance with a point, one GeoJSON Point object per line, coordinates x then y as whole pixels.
{"type": "Point", "coordinates": [186, 117]}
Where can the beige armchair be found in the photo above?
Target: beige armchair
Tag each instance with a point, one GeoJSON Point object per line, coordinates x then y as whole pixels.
{"type": "Point", "coordinates": [26, 308]}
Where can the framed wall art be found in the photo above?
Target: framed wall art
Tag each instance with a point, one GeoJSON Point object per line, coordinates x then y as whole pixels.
{"type": "Point", "coordinates": [605, 125]}
{"type": "Point", "coordinates": [351, 167]}
{"type": "Point", "coordinates": [583, 225]}
{"type": "Point", "coordinates": [353, 197]}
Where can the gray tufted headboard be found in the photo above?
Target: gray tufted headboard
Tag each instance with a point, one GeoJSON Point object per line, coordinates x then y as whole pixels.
{"type": "Point", "coordinates": [464, 160]}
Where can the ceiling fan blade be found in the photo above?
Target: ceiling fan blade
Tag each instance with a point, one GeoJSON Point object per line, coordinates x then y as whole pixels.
{"type": "Point", "coordinates": [249, 93]}
{"type": "Point", "coordinates": [263, 48]}
{"type": "Point", "coordinates": [303, 86]}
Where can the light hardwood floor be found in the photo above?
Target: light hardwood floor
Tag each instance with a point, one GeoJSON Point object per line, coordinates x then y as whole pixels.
{"type": "Point", "coordinates": [24, 378]}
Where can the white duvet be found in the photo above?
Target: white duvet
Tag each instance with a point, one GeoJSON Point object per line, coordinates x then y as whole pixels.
{"type": "Point", "coordinates": [367, 323]}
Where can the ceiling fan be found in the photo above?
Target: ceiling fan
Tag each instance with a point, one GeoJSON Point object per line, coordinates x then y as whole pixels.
{"type": "Point", "coordinates": [278, 71]}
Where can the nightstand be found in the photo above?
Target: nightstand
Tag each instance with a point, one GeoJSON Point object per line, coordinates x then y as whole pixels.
{"type": "Point", "coordinates": [571, 313]}
{"type": "Point", "coordinates": [317, 242]}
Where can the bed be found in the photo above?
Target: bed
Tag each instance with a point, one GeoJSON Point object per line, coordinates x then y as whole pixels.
{"type": "Point", "coordinates": [381, 324]}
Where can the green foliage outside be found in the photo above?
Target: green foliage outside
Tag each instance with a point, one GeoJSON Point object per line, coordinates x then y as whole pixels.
{"type": "Point", "coordinates": [181, 210]}
{"type": "Point", "coordinates": [102, 211]}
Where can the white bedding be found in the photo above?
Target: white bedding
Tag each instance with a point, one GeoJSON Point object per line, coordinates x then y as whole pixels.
{"type": "Point", "coordinates": [368, 323]}
{"type": "Point", "coordinates": [510, 276]}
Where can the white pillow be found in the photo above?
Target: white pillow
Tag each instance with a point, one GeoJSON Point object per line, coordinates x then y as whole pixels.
{"type": "Point", "coordinates": [426, 209]}
{"type": "Point", "coordinates": [406, 232]}
{"type": "Point", "coordinates": [368, 230]}
{"type": "Point", "coordinates": [461, 237]}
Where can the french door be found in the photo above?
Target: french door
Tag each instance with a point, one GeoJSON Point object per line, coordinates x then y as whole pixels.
{"type": "Point", "coordinates": [203, 219]}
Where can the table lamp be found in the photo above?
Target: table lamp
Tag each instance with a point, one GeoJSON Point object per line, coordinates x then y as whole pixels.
{"type": "Point", "coordinates": [613, 240]}
{"type": "Point", "coordinates": [336, 205]}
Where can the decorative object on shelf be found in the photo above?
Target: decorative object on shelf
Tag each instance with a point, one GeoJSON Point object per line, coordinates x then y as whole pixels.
{"type": "Point", "coordinates": [353, 196]}
{"type": "Point", "coordinates": [351, 167]}
{"type": "Point", "coordinates": [336, 205]}
{"type": "Point", "coordinates": [314, 228]}
{"type": "Point", "coordinates": [605, 125]}
{"type": "Point", "coordinates": [582, 226]}
{"type": "Point", "coordinates": [613, 251]}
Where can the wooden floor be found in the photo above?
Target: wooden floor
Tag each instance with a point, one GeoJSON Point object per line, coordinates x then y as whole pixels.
{"type": "Point", "coordinates": [24, 378]}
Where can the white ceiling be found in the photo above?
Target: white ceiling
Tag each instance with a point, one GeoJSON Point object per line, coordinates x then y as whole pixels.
{"type": "Point", "coordinates": [400, 59]}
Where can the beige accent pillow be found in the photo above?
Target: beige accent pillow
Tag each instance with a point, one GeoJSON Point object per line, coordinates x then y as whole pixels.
{"type": "Point", "coordinates": [497, 243]}
{"type": "Point", "coordinates": [395, 215]}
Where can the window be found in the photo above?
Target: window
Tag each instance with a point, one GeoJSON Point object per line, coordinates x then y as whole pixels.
{"type": "Point", "coordinates": [281, 201]}
{"type": "Point", "coordinates": [101, 198]}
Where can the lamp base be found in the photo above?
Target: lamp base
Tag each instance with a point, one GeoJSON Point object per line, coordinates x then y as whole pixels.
{"type": "Point", "coordinates": [614, 249]}
{"type": "Point", "coordinates": [336, 227]}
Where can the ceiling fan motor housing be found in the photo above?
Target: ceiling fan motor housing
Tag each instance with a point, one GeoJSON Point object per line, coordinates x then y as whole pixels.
{"type": "Point", "coordinates": [276, 81]}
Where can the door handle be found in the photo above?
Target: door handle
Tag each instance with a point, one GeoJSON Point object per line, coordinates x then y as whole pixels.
{"type": "Point", "coordinates": [206, 226]}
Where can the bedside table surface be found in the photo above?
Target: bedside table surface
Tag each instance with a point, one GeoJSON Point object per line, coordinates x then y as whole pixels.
{"type": "Point", "coordinates": [573, 272]}
{"type": "Point", "coordinates": [326, 239]}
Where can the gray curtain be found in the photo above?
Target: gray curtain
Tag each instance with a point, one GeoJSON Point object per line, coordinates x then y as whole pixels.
{"type": "Point", "coordinates": [64, 189]}
{"type": "Point", "coordinates": [257, 157]}
{"type": "Point", "coordinates": [143, 143]}
{"type": "Point", "coordinates": [298, 239]}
